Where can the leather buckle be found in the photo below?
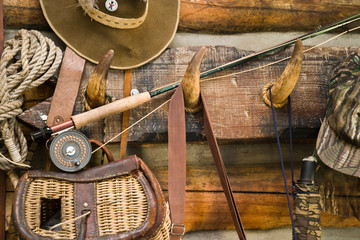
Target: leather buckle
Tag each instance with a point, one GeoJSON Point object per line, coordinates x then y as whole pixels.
{"type": "Point", "coordinates": [177, 225]}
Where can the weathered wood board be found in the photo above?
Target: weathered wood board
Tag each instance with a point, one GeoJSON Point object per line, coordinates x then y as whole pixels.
{"type": "Point", "coordinates": [235, 104]}
{"type": "Point", "coordinates": [255, 175]}
{"type": "Point", "coordinates": [209, 211]}
{"type": "Point", "coordinates": [220, 16]}
{"type": "Point", "coordinates": [255, 15]}
{"type": "Point", "coordinates": [3, 204]}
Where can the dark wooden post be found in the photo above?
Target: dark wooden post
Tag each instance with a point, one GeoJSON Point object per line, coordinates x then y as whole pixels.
{"type": "Point", "coordinates": [2, 173]}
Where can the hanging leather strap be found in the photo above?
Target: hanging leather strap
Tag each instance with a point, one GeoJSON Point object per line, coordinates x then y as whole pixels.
{"type": "Point", "coordinates": [67, 87]}
{"type": "Point", "coordinates": [222, 172]}
{"type": "Point", "coordinates": [177, 166]}
{"type": "Point", "coordinates": [177, 163]}
{"type": "Point", "coordinates": [125, 115]}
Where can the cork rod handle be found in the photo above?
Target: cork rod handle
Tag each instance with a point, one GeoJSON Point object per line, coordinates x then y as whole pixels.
{"type": "Point", "coordinates": [107, 110]}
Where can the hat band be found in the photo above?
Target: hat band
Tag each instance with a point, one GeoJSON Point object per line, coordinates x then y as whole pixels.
{"type": "Point", "coordinates": [114, 22]}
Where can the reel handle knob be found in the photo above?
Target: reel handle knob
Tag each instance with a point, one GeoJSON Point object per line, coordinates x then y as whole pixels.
{"type": "Point", "coordinates": [42, 135]}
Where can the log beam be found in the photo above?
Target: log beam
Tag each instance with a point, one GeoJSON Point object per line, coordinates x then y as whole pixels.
{"type": "Point", "coordinates": [220, 16]}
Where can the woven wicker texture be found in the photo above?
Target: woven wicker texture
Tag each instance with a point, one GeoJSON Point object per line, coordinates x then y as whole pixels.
{"type": "Point", "coordinates": [50, 189]}
{"type": "Point", "coordinates": [122, 205]}
{"type": "Point", "coordinates": [164, 231]}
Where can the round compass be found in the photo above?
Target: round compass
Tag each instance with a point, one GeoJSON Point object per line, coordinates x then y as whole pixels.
{"type": "Point", "coordinates": [70, 151]}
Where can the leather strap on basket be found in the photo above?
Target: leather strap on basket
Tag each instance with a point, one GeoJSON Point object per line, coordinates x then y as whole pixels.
{"type": "Point", "coordinates": [67, 87]}
{"type": "Point", "coordinates": [177, 166]}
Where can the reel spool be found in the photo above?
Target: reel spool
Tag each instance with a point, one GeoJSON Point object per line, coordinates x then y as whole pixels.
{"type": "Point", "coordinates": [70, 151]}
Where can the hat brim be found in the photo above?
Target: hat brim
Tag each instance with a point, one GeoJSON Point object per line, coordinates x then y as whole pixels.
{"type": "Point", "coordinates": [132, 47]}
{"type": "Point", "coordinates": [337, 153]}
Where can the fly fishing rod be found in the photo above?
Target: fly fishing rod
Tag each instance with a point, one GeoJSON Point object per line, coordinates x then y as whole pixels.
{"type": "Point", "coordinates": [80, 120]}
{"type": "Point", "coordinates": [313, 34]}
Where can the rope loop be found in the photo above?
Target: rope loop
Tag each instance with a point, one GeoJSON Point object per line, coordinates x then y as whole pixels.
{"type": "Point", "coordinates": [28, 60]}
{"type": "Point", "coordinates": [264, 94]}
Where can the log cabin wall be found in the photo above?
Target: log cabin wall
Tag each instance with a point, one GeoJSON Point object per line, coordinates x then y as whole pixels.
{"type": "Point", "coordinates": [219, 16]}
{"type": "Point", "coordinates": [242, 122]}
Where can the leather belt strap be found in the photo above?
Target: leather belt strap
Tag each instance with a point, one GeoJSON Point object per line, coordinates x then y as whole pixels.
{"type": "Point", "coordinates": [222, 171]}
{"type": "Point", "coordinates": [67, 87]}
{"type": "Point", "coordinates": [125, 115]}
{"type": "Point", "coordinates": [177, 165]}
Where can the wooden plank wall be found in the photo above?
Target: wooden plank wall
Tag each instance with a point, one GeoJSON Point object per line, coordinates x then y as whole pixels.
{"type": "Point", "coordinates": [220, 16]}
{"type": "Point", "coordinates": [241, 120]}
{"type": "Point", "coordinates": [244, 127]}
{"type": "Point", "coordinates": [235, 103]}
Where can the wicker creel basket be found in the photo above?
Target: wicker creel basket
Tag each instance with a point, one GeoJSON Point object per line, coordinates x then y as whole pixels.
{"type": "Point", "coordinates": [119, 200]}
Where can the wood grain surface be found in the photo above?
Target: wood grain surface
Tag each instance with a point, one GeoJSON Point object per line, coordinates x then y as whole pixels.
{"type": "Point", "coordinates": [242, 123]}
{"type": "Point", "coordinates": [235, 104]}
{"type": "Point", "coordinates": [220, 16]}
{"type": "Point", "coordinates": [236, 108]}
{"type": "Point", "coordinates": [255, 176]}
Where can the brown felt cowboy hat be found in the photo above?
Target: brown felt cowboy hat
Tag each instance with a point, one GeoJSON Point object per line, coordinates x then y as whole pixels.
{"type": "Point", "coordinates": [137, 31]}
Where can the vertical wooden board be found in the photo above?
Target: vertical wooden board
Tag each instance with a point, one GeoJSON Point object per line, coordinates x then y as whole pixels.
{"type": "Point", "coordinates": [3, 204]}
{"type": "Point", "coordinates": [8, 209]}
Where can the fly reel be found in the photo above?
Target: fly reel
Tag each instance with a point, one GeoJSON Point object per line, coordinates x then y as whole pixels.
{"type": "Point", "coordinates": [70, 151]}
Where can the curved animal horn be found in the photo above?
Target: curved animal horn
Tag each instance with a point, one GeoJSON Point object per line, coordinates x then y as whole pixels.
{"type": "Point", "coordinates": [191, 82]}
{"type": "Point", "coordinates": [283, 87]}
{"type": "Point", "coordinates": [96, 86]}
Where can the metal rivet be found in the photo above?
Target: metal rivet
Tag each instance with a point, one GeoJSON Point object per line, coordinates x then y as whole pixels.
{"type": "Point", "coordinates": [86, 205]}
{"type": "Point", "coordinates": [58, 119]}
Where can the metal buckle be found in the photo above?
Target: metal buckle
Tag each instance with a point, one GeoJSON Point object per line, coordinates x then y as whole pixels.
{"type": "Point", "coordinates": [178, 225]}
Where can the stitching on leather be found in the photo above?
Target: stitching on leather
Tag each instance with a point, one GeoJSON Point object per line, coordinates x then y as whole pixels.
{"type": "Point", "coordinates": [82, 179]}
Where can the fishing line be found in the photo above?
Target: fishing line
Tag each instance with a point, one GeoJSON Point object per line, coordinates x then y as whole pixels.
{"type": "Point", "coordinates": [223, 76]}
{"type": "Point", "coordinates": [282, 161]}
{"type": "Point", "coordinates": [261, 53]}
{"type": "Point", "coordinates": [281, 60]}
{"type": "Point", "coordinates": [135, 123]}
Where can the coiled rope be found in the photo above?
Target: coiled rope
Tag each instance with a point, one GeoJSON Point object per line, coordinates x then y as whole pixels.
{"type": "Point", "coordinates": [28, 60]}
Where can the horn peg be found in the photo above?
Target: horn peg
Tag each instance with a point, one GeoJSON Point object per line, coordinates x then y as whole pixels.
{"type": "Point", "coordinates": [95, 90]}
{"type": "Point", "coordinates": [191, 82]}
{"type": "Point", "coordinates": [282, 88]}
